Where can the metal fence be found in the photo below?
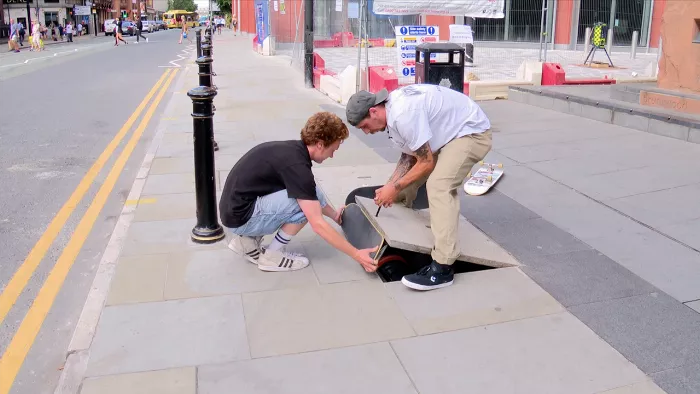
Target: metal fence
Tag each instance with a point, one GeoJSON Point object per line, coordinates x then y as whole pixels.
{"type": "Point", "coordinates": [347, 33]}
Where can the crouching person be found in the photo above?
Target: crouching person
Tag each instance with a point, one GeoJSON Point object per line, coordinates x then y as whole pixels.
{"type": "Point", "coordinates": [272, 190]}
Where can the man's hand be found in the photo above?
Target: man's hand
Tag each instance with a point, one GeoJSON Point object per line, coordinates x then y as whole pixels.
{"type": "Point", "coordinates": [362, 256]}
{"type": "Point", "coordinates": [386, 195]}
{"type": "Point", "coordinates": [338, 217]}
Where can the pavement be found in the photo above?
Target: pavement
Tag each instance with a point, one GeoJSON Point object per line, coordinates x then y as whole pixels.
{"type": "Point", "coordinates": [605, 299]}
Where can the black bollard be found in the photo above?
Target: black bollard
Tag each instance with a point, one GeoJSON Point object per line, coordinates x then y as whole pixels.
{"type": "Point", "coordinates": [199, 43]}
{"type": "Point", "coordinates": [207, 229]}
{"type": "Point", "coordinates": [205, 80]}
{"type": "Point", "coordinates": [206, 52]}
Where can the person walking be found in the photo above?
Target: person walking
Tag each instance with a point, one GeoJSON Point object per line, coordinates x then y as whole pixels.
{"type": "Point", "coordinates": [69, 32]}
{"type": "Point", "coordinates": [139, 29]}
{"type": "Point", "coordinates": [118, 33]}
{"type": "Point", "coordinates": [183, 34]}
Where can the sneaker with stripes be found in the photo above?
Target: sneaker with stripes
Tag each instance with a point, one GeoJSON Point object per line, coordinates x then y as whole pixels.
{"type": "Point", "coordinates": [246, 247]}
{"type": "Point", "coordinates": [277, 260]}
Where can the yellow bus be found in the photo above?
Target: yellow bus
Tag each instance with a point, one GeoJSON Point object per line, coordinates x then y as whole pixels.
{"type": "Point", "coordinates": [174, 19]}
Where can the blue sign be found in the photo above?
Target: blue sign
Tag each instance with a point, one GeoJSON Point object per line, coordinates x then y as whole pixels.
{"type": "Point", "coordinates": [262, 20]}
{"type": "Point", "coordinates": [406, 71]}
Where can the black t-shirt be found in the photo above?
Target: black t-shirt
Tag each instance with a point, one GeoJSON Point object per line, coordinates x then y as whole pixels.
{"type": "Point", "coordinates": [265, 169]}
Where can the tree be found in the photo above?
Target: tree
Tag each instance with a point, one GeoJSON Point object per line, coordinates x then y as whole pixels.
{"type": "Point", "coordinates": [187, 5]}
{"type": "Point", "coordinates": [224, 6]}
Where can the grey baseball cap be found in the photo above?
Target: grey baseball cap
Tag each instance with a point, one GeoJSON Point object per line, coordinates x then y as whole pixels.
{"type": "Point", "coordinates": [359, 104]}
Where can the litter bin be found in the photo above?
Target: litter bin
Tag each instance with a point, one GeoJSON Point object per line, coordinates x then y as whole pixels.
{"type": "Point", "coordinates": [449, 74]}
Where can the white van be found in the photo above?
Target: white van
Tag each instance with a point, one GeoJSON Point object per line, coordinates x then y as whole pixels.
{"type": "Point", "coordinates": [110, 25]}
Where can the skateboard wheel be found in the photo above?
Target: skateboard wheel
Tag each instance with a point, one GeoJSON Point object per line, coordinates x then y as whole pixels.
{"type": "Point", "coordinates": [500, 165]}
{"type": "Point", "coordinates": [469, 175]}
{"type": "Point", "coordinates": [489, 178]}
{"type": "Point", "coordinates": [481, 162]}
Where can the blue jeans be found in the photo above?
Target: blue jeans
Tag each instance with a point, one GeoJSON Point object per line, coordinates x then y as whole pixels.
{"type": "Point", "coordinates": [272, 211]}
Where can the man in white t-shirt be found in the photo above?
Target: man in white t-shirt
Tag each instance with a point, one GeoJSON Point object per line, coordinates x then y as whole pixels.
{"type": "Point", "coordinates": [442, 133]}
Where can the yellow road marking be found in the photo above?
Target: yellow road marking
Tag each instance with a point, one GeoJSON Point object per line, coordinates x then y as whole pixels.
{"type": "Point", "coordinates": [23, 339]}
{"type": "Point", "coordinates": [141, 201]}
{"type": "Point", "coordinates": [25, 271]}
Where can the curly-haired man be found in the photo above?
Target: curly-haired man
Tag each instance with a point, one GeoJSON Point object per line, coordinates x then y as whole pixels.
{"type": "Point", "coordinates": [271, 190]}
{"type": "Point", "coordinates": [442, 133]}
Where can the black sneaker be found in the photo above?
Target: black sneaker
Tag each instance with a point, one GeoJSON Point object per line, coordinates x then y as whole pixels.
{"type": "Point", "coordinates": [433, 276]}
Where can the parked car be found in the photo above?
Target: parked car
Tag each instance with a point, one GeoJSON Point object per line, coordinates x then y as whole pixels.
{"type": "Point", "coordinates": [128, 28]}
{"type": "Point", "coordinates": [148, 26]}
{"type": "Point", "coordinates": [110, 26]}
{"type": "Point", "coordinates": [161, 24]}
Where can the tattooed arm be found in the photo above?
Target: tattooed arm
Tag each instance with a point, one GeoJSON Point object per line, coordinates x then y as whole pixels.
{"type": "Point", "coordinates": [423, 164]}
{"type": "Point", "coordinates": [406, 162]}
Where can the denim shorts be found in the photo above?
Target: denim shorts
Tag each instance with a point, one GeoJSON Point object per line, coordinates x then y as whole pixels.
{"type": "Point", "coordinates": [272, 211]}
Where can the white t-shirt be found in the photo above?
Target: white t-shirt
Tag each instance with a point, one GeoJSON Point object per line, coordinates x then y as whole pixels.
{"type": "Point", "coordinates": [69, 29]}
{"type": "Point", "coordinates": [417, 114]}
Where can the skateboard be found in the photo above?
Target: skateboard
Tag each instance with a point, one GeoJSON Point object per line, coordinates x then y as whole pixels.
{"type": "Point", "coordinates": [360, 231]}
{"type": "Point", "coordinates": [485, 177]}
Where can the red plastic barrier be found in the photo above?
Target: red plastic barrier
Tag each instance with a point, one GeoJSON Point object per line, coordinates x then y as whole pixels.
{"type": "Point", "coordinates": [318, 61]}
{"type": "Point", "coordinates": [466, 88]}
{"type": "Point", "coordinates": [381, 77]}
{"type": "Point", "coordinates": [553, 74]}
{"type": "Point", "coordinates": [255, 43]}
{"type": "Point", "coordinates": [317, 76]}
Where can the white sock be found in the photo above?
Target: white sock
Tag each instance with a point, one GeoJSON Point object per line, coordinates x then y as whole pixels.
{"type": "Point", "coordinates": [280, 241]}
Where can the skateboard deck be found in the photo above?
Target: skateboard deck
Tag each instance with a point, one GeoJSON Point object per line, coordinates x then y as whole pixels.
{"type": "Point", "coordinates": [361, 232]}
{"type": "Point", "coordinates": [483, 179]}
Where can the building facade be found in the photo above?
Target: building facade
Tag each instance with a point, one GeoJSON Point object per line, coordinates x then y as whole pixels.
{"type": "Point", "coordinates": [55, 12]}
{"type": "Point", "coordinates": [565, 21]}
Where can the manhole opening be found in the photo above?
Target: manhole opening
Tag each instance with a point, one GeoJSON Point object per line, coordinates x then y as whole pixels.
{"type": "Point", "coordinates": [400, 262]}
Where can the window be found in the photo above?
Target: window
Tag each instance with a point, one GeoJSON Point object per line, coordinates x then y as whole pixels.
{"type": "Point", "coordinates": [49, 18]}
{"type": "Point", "coordinates": [696, 40]}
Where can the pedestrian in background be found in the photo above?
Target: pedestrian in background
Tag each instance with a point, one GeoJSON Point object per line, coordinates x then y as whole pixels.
{"type": "Point", "coordinates": [69, 32]}
{"type": "Point", "coordinates": [139, 29]}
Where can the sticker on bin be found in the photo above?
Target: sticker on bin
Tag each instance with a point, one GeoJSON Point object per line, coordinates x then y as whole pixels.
{"type": "Point", "coordinates": [407, 38]}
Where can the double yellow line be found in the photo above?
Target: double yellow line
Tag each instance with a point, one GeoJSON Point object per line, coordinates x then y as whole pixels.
{"type": "Point", "coordinates": [22, 341]}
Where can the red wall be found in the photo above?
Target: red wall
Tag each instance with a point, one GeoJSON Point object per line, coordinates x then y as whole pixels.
{"type": "Point", "coordinates": [656, 17]}
{"type": "Point", "coordinates": [562, 32]}
{"type": "Point", "coordinates": [441, 21]}
{"type": "Point", "coordinates": [285, 26]}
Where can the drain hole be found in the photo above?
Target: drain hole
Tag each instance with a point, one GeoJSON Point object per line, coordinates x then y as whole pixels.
{"type": "Point", "coordinates": [398, 262]}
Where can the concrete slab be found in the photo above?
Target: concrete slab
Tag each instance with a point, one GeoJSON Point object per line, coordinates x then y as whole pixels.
{"type": "Point", "coordinates": [166, 381]}
{"type": "Point", "coordinates": [163, 236]}
{"type": "Point", "coordinates": [168, 334]}
{"type": "Point", "coordinates": [694, 305]}
{"type": "Point", "coordinates": [686, 232]}
{"type": "Point", "coordinates": [503, 140]}
{"type": "Point", "coordinates": [171, 165]}
{"type": "Point", "coordinates": [138, 279]}
{"type": "Point", "coordinates": [319, 372]}
{"type": "Point", "coordinates": [341, 180]}
{"type": "Point", "coordinates": [535, 352]}
{"type": "Point", "coordinates": [653, 331]}
{"type": "Point", "coordinates": [353, 156]}
{"type": "Point", "coordinates": [681, 380]}
{"type": "Point", "coordinates": [486, 297]}
{"type": "Point", "coordinates": [173, 183]}
{"type": "Point", "coordinates": [219, 272]}
{"type": "Point", "coordinates": [666, 264]}
{"type": "Point", "coordinates": [523, 184]}
{"type": "Point", "coordinates": [646, 387]}
{"type": "Point", "coordinates": [166, 207]}
{"type": "Point", "coordinates": [583, 277]}
{"type": "Point", "coordinates": [409, 229]}
{"type": "Point", "coordinates": [321, 317]}
{"type": "Point", "coordinates": [531, 238]}
{"type": "Point", "coordinates": [333, 266]}
{"type": "Point", "coordinates": [655, 210]}
{"type": "Point", "coordinates": [493, 207]}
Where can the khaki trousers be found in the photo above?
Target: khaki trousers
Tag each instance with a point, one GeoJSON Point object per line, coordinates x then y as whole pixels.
{"type": "Point", "coordinates": [454, 161]}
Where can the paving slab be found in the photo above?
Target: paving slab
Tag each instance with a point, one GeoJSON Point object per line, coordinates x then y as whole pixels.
{"type": "Point", "coordinates": [166, 207]}
{"type": "Point", "coordinates": [333, 266]}
{"type": "Point", "coordinates": [173, 183]}
{"type": "Point", "coordinates": [526, 356]}
{"type": "Point", "coordinates": [409, 229]}
{"type": "Point", "coordinates": [681, 380]}
{"type": "Point", "coordinates": [358, 369]}
{"type": "Point", "coordinates": [524, 185]}
{"type": "Point", "coordinates": [341, 180]}
{"type": "Point", "coordinates": [219, 272]}
{"type": "Point", "coordinates": [666, 264]}
{"type": "Point", "coordinates": [163, 236]}
{"type": "Point", "coordinates": [493, 206]}
{"type": "Point", "coordinates": [138, 279]}
{"type": "Point", "coordinates": [166, 381]}
{"type": "Point", "coordinates": [686, 232]}
{"type": "Point", "coordinates": [653, 331]}
{"type": "Point", "coordinates": [321, 317]}
{"type": "Point", "coordinates": [171, 165]}
{"type": "Point", "coordinates": [565, 134]}
{"type": "Point", "coordinates": [655, 209]}
{"type": "Point", "coordinates": [695, 305]}
{"type": "Point", "coordinates": [485, 297]}
{"type": "Point", "coordinates": [646, 387]}
{"type": "Point", "coordinates": [586, 276]}
{"type": "Point", "coordinates": [531, 238]}
{"type": "Point", "coordinates": [168, 334]}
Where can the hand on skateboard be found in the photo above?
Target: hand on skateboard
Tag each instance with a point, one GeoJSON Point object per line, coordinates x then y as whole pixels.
{"type": "Point", "coordinates": [363, 257]}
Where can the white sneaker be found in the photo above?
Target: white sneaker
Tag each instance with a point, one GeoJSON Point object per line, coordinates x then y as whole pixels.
{"type": "Point", "coordinates": [275, 260]}
{"type": "Point", "coordinates": [246, 247]}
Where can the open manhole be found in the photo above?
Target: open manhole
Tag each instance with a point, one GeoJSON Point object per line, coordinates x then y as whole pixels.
{"type": "Point", "coordinates": [396, 263]}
